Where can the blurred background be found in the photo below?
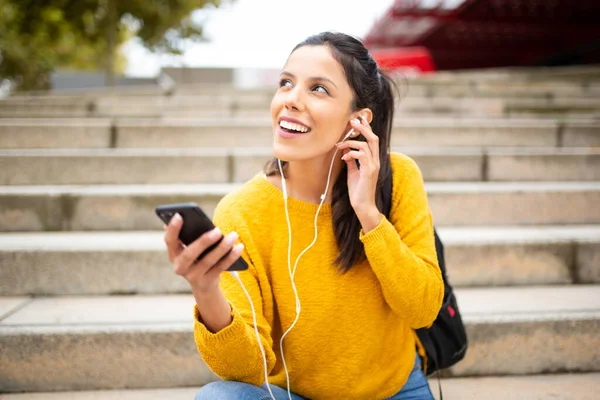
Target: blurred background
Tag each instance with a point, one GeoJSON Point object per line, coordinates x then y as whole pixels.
{"type": "Point", "coordinates": [109, 108]}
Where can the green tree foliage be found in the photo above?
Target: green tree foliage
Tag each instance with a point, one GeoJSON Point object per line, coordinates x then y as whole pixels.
{"type": "Point", "coordinates": [37, 36]}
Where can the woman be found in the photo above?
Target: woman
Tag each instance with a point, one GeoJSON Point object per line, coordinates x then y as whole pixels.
{"type": "Point", "coordinates": [364, 283]}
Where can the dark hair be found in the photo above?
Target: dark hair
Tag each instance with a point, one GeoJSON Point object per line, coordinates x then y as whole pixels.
{"type": "Point", "coordinates": [373, 90]}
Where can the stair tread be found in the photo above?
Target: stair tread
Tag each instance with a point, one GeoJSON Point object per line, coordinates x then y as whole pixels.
{"type": "Point", "coordinates": [153, 240]}
{"type": "Point", "coordinates": [265, 122]}
{"type": "Point", "coordinates": [175, 311]}
{"type": "Point", "coordinates": [534, 387]}
{"type": "Point", "coordinates": [265, 150]}
{"type": "Point", "coordinates": [224, 188]}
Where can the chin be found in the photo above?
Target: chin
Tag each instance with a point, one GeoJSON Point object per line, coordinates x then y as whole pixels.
{"type": "Point", "coordinates": [286, 152]}
{"type": "Point", "coordinates": [291, 152]}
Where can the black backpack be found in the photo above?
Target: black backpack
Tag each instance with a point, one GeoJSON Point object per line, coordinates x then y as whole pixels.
{"type": "Point", "coordinates": [445, 341]}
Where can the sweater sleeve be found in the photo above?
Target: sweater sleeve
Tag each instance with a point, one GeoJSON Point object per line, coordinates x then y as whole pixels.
{"type": "Point", "coordinates": [233, 353]}
{"type": "Point", "coordinates": [402, 252]}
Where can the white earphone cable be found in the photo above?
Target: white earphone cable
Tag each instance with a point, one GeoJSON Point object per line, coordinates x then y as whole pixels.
{"type": "Point", "coordinates": [291, 271]}
{"type": "Point", "coordinates": [262, 350]}
{"type": "Point", "coordinates": [289, 261]}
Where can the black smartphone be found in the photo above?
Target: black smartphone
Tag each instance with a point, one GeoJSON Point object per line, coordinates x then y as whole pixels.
{"type": "Point", "coordinates": [195, 224]}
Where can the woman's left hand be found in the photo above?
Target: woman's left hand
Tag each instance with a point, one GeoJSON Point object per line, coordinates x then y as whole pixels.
{"type": "Point", "coordinates": [362, 182]}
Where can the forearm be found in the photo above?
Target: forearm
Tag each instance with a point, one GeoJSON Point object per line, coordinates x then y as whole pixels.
{"type": "Point", "coordinates": [214, 309]}
{"type": "Point", "coordinates": [232, 352]}
{"type": "Point", "coordinates": [410, 278]}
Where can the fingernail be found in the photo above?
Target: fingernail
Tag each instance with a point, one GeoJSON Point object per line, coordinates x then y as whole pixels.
{"type": "Point", "coordinates": [355, 122]}
{"type": "Point", "coordinates": [176, 218]}
{"type": "Point", "coordinates": [215, 233]}
{"type": "Point", "coordinates": [233, 236]}
{"type": "Point", "coordinates": [239, 247]}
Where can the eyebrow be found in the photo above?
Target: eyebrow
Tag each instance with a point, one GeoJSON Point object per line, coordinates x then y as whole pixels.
{"type": "Point", "coordinates": [315, 78]}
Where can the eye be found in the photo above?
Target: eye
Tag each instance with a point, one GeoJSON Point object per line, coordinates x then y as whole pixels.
{"type": "Point", "coordinates": [321, 88]}
{"type": "Point", "coordinates": [285, 83]}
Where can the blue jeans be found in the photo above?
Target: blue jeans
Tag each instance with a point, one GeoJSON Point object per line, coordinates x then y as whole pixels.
{"type": "Point", "coordinates": [417, 388]}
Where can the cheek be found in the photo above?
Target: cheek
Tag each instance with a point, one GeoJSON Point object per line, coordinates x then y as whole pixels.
{"type": "Point", "coordinates": [276, 105]}
{"type": "Point", "coordinates": [334, 124]}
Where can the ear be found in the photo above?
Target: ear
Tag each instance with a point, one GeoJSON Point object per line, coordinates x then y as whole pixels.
{"type": "Point", "coordinates": [364, 113]}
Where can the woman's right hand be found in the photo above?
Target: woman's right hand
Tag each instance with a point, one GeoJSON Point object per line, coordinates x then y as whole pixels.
{"type": "Point", "coordinates": [204, 275]}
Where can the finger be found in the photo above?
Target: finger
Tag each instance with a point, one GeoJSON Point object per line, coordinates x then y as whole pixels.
{"type": "Point", "coordinates": [189, 255]}
{"type": "Point", "coordinates": [359, 155]}
{"type": "Point", "coordinates": [226, 262]}
{"type": "Point", "coordinates": [350, 162]}
{"type": "Point", "coordinates": [213, 257]}
{"type": "Point", "coordinates": [365, 161]}
{"type": "Point", "coordinates": [372, 139]}
{"type": "Point", "coordinates": [174, 247]}
{"type": "Point", "coordinates": [353, 144]}
{"type": "Point", "coordinates": [363, 128]}
{"type": "Point", "coordinates": [369, 134]}
{"type": "Point", "coordinates": [356, 145]}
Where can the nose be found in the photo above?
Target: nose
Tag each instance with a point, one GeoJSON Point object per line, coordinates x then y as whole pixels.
{"type": "Point", "coordinates": [293, 100]}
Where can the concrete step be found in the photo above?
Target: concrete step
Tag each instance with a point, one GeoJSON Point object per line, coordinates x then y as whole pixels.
{"type": "Point", "coordinates": [131, 394]}
{"type": "Point", "coordinates": [131, 207]}
{"type": "Point", "coordinates": [506, 87]}
{"type": "Point", "coordinates": [534, 387]}
{"type": "Point", "coordinates": [410, 106]}
{"type": "Point", "coordinates": [260, 99]}
{"type": "Point", "coordinates": [77, 105]}
{"type": "Point", "coordinates": [246, 104]}
{"type": "Point", "coordinates": [253, 132]}
{"type": "Point", "coordinates": [55, 133]}
{"type": "Point", "coordinates": [122, 166]}
{"type": "Point", "coordinates": [215, 165]}
{"type": "Point", "coordinates": [46, 114]}
{"type": "Point", "coordinates": [102, 263]}
{"type": "Point", "coordinates": [570, 73]}
{"type": "Point", "coordinates": [517, 331]}
{"type": "Point", "coordinates": [549, 114]}
{"type": "Point", "coordinates": [194, 106]}
{"type": "Point", "coordinates": [406, 132]}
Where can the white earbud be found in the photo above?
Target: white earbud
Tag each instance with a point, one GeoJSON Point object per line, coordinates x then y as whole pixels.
{"type": "Point", "coordinates": [350, 132]}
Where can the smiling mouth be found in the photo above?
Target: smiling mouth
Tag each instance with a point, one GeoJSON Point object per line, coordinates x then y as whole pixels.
{"type": "Point", "coordinates": [291, 127]}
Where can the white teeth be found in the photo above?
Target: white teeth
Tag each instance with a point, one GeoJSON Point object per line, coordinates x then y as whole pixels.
{"type": "Point", "coordinates": [292, 126]}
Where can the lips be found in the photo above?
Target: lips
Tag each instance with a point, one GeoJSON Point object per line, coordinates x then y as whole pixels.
{"type": "Point", "coordinates": [292, 125]}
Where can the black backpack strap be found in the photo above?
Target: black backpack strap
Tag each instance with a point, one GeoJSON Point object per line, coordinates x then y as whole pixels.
{"type": "Point", "coordinates": [432, 358]}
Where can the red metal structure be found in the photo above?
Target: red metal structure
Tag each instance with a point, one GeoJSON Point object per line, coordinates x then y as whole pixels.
{"type": "Point", "coordinates": [461, 34]}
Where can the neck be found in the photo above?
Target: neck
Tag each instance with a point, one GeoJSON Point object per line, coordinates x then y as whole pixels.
{"type": "Point", "coordinates": [306, 179]}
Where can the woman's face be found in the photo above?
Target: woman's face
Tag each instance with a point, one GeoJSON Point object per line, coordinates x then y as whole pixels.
{"type": "Point", "coordinates": [311, 109]}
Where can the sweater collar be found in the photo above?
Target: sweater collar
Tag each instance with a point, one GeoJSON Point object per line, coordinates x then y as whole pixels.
{"type": "Point", "coordinates": [293, 204]}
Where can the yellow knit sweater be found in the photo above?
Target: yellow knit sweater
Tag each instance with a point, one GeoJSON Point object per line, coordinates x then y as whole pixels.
{"type": "Point", "coordinates": [354, 338]}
